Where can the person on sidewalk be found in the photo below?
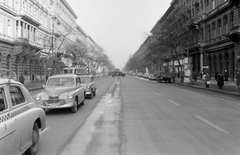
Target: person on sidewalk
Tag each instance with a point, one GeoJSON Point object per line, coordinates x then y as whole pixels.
{"type": "Point", "coordinates": [195, 76]}
{"type": "Point", "coordinates": [220, 81]}
{"type": "Point", "coordinates": [21, 79]}
{"type": "Point", "coordinates": [203, 78]}
{"type": "Point", "coordinates": [226, 76]}
{"type": "Point", "coordinates": [33, 77]}
{"type": "Point", "coordinates": [207, 81]}
{"type": "Point", "coordinates": [216, 76]}
{"type": "Point", "coordinates": [237, 79]}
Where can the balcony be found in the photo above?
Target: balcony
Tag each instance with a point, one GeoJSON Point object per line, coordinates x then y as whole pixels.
{"type": "Point", "coordinates": [21, 41]}
{"type": "Point", "coordinates": [27, 17]}
{"type": "Point", "coordinates": [234, 34]}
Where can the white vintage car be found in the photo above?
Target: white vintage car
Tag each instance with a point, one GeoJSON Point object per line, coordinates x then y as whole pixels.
{"type": "Point", "coordinates": [89, 84]}
{"type": "Point", "coordinates": [62, 91]}
{"type": "Point", "coordinates": [20, 119]}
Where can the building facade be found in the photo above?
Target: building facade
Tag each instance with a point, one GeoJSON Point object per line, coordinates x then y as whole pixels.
{"type": "Point", "coordinates": [28, 31]}
{"type": "Point", "coordinates": [214, 45]}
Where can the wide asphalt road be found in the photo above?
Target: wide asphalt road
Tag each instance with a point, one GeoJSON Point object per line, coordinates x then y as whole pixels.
{"type": "Point", "coordinates": [62, 124]}
{"type": "Point", "coordinates": [141, 117]}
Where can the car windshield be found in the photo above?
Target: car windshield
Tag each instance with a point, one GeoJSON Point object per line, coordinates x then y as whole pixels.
{"type": "Point", "coordinates": [64, 81]}
{"type": "Point", "coordinates": [85, 79]}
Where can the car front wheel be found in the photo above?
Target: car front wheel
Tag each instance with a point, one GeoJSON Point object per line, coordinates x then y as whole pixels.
{"type": "Point", "coordinates": [33, 149]}
{"type": "Point", "coordinates": [74, 108]}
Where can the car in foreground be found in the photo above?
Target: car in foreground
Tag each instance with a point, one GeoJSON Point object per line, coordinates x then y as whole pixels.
{"type": "Point", "coordinates": [62, 91]}
{"type": "Point", "coordinates": [20, 119]}
{"type": "Point", "coordinates": [89, 85]}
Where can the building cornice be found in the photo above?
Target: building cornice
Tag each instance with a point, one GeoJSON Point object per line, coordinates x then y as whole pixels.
{"type": "Point", "coordinates": [69, 8]}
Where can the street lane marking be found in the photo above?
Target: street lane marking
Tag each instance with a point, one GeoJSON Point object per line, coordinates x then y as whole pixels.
{"type": "Point", "coordinates": [44, 130]}
{"type": "Point", "coordinates": [176, 104]}
{"type": "Point", "coordinates": [209, 123]}
{"type": "Point", "coordinates": [159, 94]}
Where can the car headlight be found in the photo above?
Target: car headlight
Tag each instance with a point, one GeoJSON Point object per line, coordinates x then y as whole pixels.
{"type": "Point", "coordinates": [38, 98]}
{"type": "Point", "coordinates": [70, 97]}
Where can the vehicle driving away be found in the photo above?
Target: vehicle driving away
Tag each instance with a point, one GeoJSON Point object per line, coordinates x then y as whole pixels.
{"type": "Point", "coordinates": [88, 83]}
{"type": "Point", "coordinates": [20, 119]}
{"type": "Point", "coordinates": [75, 70]}
{"type": "Point", "coordinates": [62, 91]}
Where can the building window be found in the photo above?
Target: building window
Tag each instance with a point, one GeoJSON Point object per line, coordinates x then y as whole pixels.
{"type": "Point", "coordinates": [214, 30]}
{"type": "Point", "coordinates": [213, 4]}
{"type": "Point", "coordinates": [219, 27]}
{"type": "Point", "coordinates": [9, 27]}
{"type": "Point", "coordinates": [208, 33]}
{"type": "Point", "coordinates": [231, 19]}
{"type": "Point", "coordinates": [225, 20]}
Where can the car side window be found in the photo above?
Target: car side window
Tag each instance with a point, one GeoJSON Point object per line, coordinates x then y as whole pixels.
{"type": "Point", "coordinates": [16, 95]}
{"type": "Point", "coordinates": [3, 104]}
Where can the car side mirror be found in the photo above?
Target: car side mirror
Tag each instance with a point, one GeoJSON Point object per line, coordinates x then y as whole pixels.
{"type": "Point", "coordinates": [44, 86]}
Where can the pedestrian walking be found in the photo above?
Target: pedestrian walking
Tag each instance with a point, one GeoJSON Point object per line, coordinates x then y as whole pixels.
{"type": "Point", "coordinates": [237, 79]}
{"type": "Point", "coordinates": [21, 79]}
{"type": "Point", "coordinates": [33, 76]}
{"type": "Point", "coordinates": [226, 75]}
{"type": "Point", "coordinates": [216, 76]}
{"type": "Point", "coordinates": [46, 77]}
{"type": "Point", "coordinates": [220, 81]}
{"type": "Point", "coordinates": [195, 76]}
{"type": "Point", "coordinates": [203, 78]}
{"type": "Point", "coordinates": [207, 81]}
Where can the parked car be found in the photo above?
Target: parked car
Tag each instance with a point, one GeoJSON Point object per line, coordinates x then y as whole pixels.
{"type": "Point", "coordinates": [139, 74]}
{"type": "Point", "coordinates": [134, 74]}
{"type": "Point", "coordinates": [145, 75]}
{"type": "Point", "coordinates": [152, 77]}
{"type": "Point", "coordinates": [20, 119]}
{"type": "Point", "coordinates": [89, 85]}
{"type": "Point", "coordinates": [164, 76]}
{"type": "Point", "coordinates": [62, 91]}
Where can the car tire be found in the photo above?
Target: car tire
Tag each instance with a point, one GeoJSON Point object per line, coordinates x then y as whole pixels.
{"type": "Point", "coordinates": [94, 93]}
{"type": "Point", "coordinates": [82, 103]}
{"type": "Point", "coordinates": [33, 149]}
{"type": "Point", "coordinates": [75, 106]}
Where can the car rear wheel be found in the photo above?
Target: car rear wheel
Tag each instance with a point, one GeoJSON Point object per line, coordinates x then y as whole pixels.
{"type": "Point", "coordinates": [94, 93]}
{"type": "Point", "coordinates": [75, 105]}
{"type": "Point", "coordinates": [33, 149]}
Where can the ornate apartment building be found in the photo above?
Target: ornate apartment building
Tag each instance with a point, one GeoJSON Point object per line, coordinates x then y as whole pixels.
{"type": "Point", "coordinates": [215, 45]}
{"type": "Point", "coordinates": [25, 28]}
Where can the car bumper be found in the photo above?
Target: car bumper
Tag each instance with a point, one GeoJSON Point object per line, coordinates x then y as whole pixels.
{"type": "Point", "coordinates": [56, 105]}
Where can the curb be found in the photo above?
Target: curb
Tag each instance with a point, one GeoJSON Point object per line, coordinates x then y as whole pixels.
{"type": "Point", "coordinates": [216, 90]}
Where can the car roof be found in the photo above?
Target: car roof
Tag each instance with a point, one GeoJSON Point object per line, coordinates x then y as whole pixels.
{"type": "Point", "coordinates": [5, 80]}
{"type": "Point", "coordinates": [63, 75]}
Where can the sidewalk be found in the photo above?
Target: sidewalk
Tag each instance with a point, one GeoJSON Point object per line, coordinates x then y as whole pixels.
{"type": "Point", "coordinates": [34, 86]}
{"type": "Point", "coordinates": [229, 87]}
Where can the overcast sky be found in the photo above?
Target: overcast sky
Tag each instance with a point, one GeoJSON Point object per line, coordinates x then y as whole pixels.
{"type": "Point", "coordinates": [118, 26]}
